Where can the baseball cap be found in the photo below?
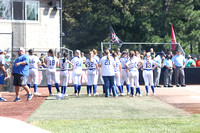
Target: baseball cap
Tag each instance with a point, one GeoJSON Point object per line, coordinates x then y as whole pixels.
{"type": "Point", "coordinates": [43, 54]}
{"type": "Point", "coordinates": [21, 49]}
{"type": "Point", "coordinates": [179, 50]}
{"type": "Point", "coordinates": [189, 56]}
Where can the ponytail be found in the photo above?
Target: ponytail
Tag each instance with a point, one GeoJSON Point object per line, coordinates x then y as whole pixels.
{"type": "Point", "coordinates": [131, 54]}
{"type": "Point", "coordinates": [90, 56]}
{"type": "Point", "coordinates": [107, 52]}
{"type": "Point", "coordinates": [65, 56]}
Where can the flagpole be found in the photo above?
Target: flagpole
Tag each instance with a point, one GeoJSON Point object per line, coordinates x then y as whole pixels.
{"type": "Point", "coordinates": [109, 22]}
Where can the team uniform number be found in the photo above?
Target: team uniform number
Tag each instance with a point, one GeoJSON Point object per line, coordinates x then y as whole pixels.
{"type": "Point", "coordinates": [90, 64]}
{"type": "Point", "coordinates": [107, 62]}
{"type": "Point", "coordinates": [52, 62]}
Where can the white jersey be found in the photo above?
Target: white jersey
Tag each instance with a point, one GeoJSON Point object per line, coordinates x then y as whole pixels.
{"type": "Point", "coordinates": [123, 62]}
{"type": "Point", "coordinates": [51, 62]}
{"type": "Point", "coordinates": [91, 65]}
{"type": "Point", "coordinates": [77, 64]}
{"type": "Point", "coordinates": [33, 62]}
{"type": "Point", "coordinates": [133, 64]}
{"type": "Point", "coordinates": [117, 64]}
{"type": "Point", "coordinates": [149, 65]}
{"type": "Point", "coordinates": [96, 58]}
{"type": "Point", "coordinates": [107, 66]}
{"type": "Point", "coordinates": [64, 65]}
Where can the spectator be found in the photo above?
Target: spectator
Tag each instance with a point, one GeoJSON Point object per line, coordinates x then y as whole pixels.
{"type": "Point", "coordinates": [152, 52]}
{"type": "Point", "coordinates": [84, 60]}
{"type": "Point", "coordinates": [179, 63]}
{"type": "Point", "coordinates": [170, 54]}
{"type": "Point", "coordinates": [43, 65]}
{"type": "Point", "coordinates": [157, 70]}
{"type": "Point", "coordinates": [7, 58]}
{"type": "Point", "coordinates": [137, 54]}
{"type": "Point", "coordinates": [168, 71]}
{"type": "Point", "coordinates": [198, 62]}
{"type": "Point", "coordinates": [144, 54]}
{"type": "Point", "coordinates": [190, 62]}
{"type": "Point", "coordinates": [118, 52]}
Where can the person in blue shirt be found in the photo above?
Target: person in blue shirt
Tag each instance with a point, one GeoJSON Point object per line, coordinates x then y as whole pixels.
{"type": "Point", "coordinates": [179, 63]}
{"type": "Point", "coordinates": [157, 71]}
{"type": "Point", "coordinates": [20, 73]}
{"type": "Point", "coordinates": [168, 72]}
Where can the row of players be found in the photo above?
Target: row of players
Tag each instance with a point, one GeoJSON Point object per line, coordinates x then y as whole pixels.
{"type": "Point", "coordinates": [114, 72]}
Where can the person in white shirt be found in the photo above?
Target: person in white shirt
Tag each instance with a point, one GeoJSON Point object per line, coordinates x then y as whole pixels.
{"type": "Point", "coordinates": [107, 65]}
{"type": "Point", "coordinates": [51, 63]}
{"type": "Point", "coordinates": [92, 72]}
{"type": "Point", "coordinates": [133, 65]}
{"type": "Point", "coordinates": [34, 64]}
{"type": "Point", "coordinates": [118, 73]}
{"type": "Point", "coordinates": [64, 66]}
{"type": "Point", "coordinates": [167, 63]}
{"type": "Point", "coordinates": [148, 73]}
{"type": "Point", "coordinates": [77, 62]}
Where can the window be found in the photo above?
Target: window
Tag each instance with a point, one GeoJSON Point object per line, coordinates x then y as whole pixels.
{"type": "Point", "coordinates": [32, 11]}
{"type": "Point", "coordinates": [17, 10]}
{"type": "Point", "coordinates": [5, 10]}
{"type": "Point", "coordinates": [18, 13]}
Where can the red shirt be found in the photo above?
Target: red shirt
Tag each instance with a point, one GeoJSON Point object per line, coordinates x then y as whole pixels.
{"type": "Point", "coordinates": [198, 63]}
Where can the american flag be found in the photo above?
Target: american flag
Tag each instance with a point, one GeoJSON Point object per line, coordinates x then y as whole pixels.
{"type": "Point", "coordinates": [114, 39]}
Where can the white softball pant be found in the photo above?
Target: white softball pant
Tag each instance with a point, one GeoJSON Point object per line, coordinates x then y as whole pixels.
{"type": "Point", "coordinates": [134, 78]}
{"type": "Point", "coordinates": [51, 76]}
{"type": "Point", "coordinates": [148, 77]}
{"type": "Point", "coordinates": [64, 78]}
{"type": "Point", "coordinates": [124, 77]}
{"type": "Point", "coordinates": [33, 76]}
{"type": "Point", "coordinates": [117, 78]}
{"type": "Point", "coordinates": [76, 78]}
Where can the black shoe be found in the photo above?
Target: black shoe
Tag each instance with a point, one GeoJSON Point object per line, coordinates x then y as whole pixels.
{"type": "Point", "coordinates": [170, 85]}
{"type": "Point", "coordinates": [158, 86]}
{"type": "Point", "coordinates": [165, 86]}
{"type": "Point", "coordinates": [183, 85]}
{"type": "Point", "coordinates": [177, 85]}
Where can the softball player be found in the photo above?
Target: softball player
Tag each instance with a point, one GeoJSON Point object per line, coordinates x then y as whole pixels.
{"type": "Point", "coordinates": [107, 65]}
{"type": "Point", "coordinates": [148, 73]}
{"type": "Point", "coordinates": [133, 65]}
{"type": "Point", "coordinates": [92, 73]}
{"type": "Point", "coordinates": [77, 71]}
{"type": "Point", "coordinates": [34, 64]}
{"type": "Point", "coordinates": [64, 65]}
{"type": "Point", "coordinates": [51, 63]}
{"type": "Point", "coordinates": [118, 73]}
{"type": "Point", "coordinates": [124, 77]}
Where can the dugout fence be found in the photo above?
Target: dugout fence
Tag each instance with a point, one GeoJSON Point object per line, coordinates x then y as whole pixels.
{"type": "Point", "coordinates": [138, 45]}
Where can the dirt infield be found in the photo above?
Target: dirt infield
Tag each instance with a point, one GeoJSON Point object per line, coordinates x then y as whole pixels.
{"type": "Point", "coordinates": [23, 109]}
{"type": "Point", "coordinates": [185, 98]}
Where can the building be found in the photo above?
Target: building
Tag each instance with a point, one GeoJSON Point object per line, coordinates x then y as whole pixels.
{"type": "Point", "coordinates": [34, 23]}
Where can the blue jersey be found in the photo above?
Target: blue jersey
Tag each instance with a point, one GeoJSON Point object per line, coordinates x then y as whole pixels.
{"type": "Point", "coordinates": [22, 69]}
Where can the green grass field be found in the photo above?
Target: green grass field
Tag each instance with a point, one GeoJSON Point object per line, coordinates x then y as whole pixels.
{"type": "Point", "coordinates": [122, 114]}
